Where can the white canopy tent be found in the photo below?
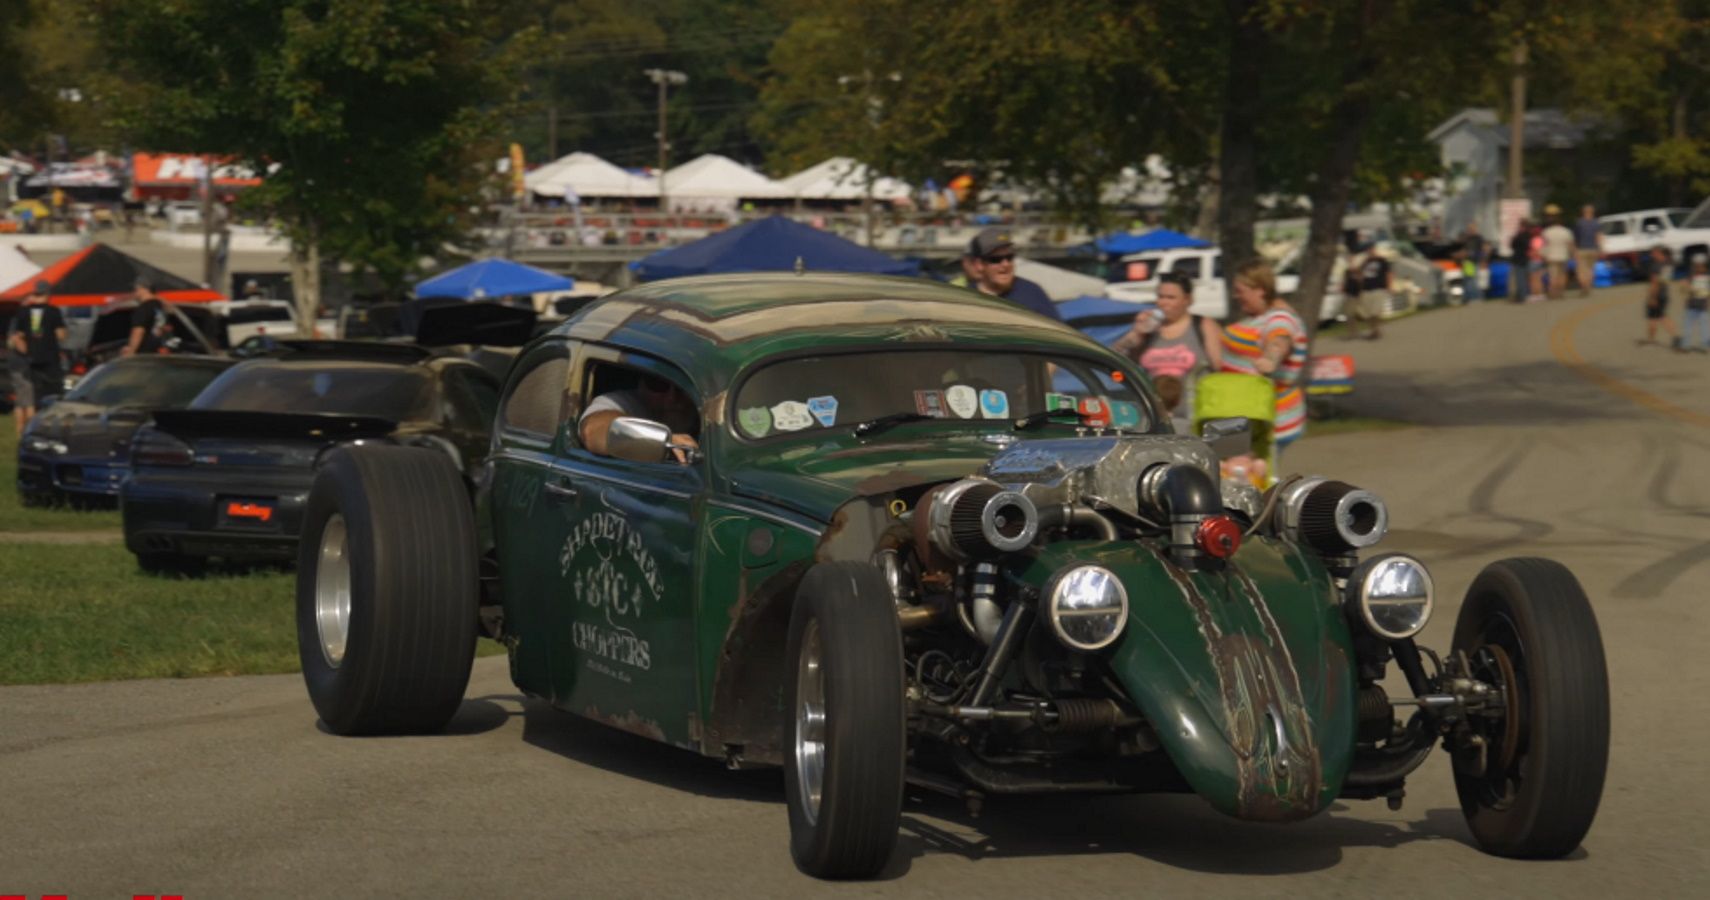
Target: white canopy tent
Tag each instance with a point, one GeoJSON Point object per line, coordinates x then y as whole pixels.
{"type": "Point", "coordinates": [15, 267]}
{"type": "Point", "coordinates": [584, 175]}
{"type": "Point", "coordinates": [842, 178]}
{"type": "Point", "coordinates": [1059, 284]}
{"type": "Point", "coordinates": [717, 181]}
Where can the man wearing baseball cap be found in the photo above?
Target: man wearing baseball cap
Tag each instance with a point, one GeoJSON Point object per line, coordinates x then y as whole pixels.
{"type": "Point", "coordinates": [33, 340]}
{"type": "Point", "coordinates": [990, 267]}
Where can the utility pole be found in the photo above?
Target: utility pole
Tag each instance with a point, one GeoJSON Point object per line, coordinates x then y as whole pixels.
{"type": "Point", "coordinates": [1517, 126]}
{"type": "Point", "coordinates": [664, 78]}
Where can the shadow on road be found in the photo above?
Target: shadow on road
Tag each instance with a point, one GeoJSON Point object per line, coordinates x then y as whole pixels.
{"type": "Point", "coordinates": [1532, 393]}
{"type": "Point", "coordinates": [1178, 831]}
{"type": "Point", "coordinates": [620, 753]}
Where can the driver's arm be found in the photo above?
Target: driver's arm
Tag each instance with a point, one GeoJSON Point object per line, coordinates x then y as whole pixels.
{"type": "Point", "coordinates": [594, 428]}
{"type": "Point", "coordinates": [137, 332]}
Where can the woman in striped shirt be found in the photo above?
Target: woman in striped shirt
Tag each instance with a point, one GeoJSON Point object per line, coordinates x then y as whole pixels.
{"type": "Point", "coordinates": [1270, 341]}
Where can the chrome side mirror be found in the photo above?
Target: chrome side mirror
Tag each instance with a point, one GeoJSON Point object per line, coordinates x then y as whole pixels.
{"type": "Point", "coordinates": [1228, 438]}
{"type": "Point", "coordinates": [638, 440]}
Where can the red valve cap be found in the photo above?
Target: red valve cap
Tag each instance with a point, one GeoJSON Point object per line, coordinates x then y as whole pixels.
{"type": "Point", "coordinates": [1218, 536]}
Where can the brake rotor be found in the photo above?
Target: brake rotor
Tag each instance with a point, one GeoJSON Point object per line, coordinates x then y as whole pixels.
{"type": "Point", "coordinates": [1511, 705]}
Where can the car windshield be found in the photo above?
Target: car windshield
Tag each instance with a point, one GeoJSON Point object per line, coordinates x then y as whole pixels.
{"type": "Point", "coordinates": [391, 392]}
{"type": "Point", "coordinates": [815, 393]}
{"type": "Point", "coordinates": [144, 386]}
{"type": "Point", "coordinates": [1677, 217]}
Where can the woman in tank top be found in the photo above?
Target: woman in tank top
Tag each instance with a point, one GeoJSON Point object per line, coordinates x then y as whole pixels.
{"type": "Point", "coordinates": [1169, 343]}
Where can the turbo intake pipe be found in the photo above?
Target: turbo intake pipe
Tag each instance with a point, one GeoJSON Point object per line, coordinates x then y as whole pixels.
{"type": "Point", "coordinates": [1190, 499]}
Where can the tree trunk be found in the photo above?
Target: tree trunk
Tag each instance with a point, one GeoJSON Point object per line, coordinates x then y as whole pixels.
{"type": "Point", "coordinates": [306, 282]}
{"type": "Point", "coordinates": [1330, 192]}
{"type": "Point", "coordinates": [1205, 222]}
{"type": "Point", "coordinates": [1237, 160]}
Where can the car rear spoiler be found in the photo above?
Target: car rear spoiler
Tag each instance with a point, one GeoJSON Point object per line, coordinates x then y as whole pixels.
{"type": "Point", "coordinates": [189, 424]}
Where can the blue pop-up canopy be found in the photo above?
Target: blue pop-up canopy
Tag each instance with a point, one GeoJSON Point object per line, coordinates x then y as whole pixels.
{"type": "Point", "coordinates": [1122, 243]}
{"type": "Point", "coordinates": [492, 278]}
{"type": "Point", "coordinates": [1101, 318]}
{"type": "Point", "coordinates": [773, 244]}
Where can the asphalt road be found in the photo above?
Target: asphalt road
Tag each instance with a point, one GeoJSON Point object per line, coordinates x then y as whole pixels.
{"type": "Point", "coordinates": [1550, 434]}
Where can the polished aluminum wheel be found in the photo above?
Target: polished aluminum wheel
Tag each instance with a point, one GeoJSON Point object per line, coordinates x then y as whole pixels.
{"type": "Point", "coordinates": [332, 591]}
{"type": "Point", "coordinates": [810, 721]}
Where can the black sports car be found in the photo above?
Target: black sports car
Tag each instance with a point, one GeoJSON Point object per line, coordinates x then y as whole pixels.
{"type": "Point", "coordinates": [229, 476]}
{"type": "Point", "coordinates": [78, 449]}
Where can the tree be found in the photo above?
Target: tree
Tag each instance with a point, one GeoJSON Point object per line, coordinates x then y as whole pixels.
{"type": "Point", "coordinates": [374, 118]}
{"type": "Point", "coordinates": [1058, 96]}
{"type": "Point", "coordinates": [24, 104]}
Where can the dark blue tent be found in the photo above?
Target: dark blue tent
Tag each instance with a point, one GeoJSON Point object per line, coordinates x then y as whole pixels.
{"type": "Point", "coordinates": [492, 278]}
{"type": "Point", "coordinates": [1122, 243]}
{"type": "Point", "coordinates": [1101, 318]}
{"type": "Point", "coordinates": [772, 244]}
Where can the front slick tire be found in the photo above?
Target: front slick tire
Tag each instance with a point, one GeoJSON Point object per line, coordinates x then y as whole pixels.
{"type": "Point", "coordinates": [843, 698]}
{"type": "Point", "coordinates": [1527, 626]}
{"type": "Point", "coordinates": [386, 591]}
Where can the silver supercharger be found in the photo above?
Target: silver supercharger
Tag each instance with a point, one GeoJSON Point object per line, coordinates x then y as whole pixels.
{"type": "Point", "coordinates": [1070, 471]}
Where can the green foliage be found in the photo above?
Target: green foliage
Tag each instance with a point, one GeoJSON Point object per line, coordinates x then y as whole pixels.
{"type": "Point", "coordinates": [589, 68]}
{"type": "Point", "coordinates": [380, 115]}
{"type": "Point", "coordinates": [1061, 96]}
{"type": "Point", "coordinates": [24, 102]}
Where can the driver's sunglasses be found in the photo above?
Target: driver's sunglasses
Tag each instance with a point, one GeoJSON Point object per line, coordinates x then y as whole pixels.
{"type": "Point", "coordinates": [999, 258]}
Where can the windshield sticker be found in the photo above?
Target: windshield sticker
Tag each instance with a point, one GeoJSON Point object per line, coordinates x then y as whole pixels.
{"type": "Point", "coordinates": [824, 409]}
{"type": "Point", "coordinates": [1124, 414]}
{"type": "Point", "coordinates": [791, 415]}
{"type": "Point", "coordinates": [964, 401]}
{"type": "Point", "coordinates": [1055, 401]}
{"type": "Point", "coordinates": [994, 404]}
{"type": "Point", "coordinates": [1094, 413]}
{"type": "Point", "coordinates": [756, 421]}
{"type": "Point", "coordinates": [929, 403]}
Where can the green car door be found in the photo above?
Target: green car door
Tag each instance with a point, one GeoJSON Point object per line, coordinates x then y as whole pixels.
{"type": "Point", "coordinates": [622, 607]}
{"type": "Point", "coordinates": [529, 504]}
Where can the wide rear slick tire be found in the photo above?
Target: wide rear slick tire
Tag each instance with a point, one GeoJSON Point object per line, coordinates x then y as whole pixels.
{"type": "Point", "coordinates": [1528, 621]}
{"type": "Point", "coordinates": [386, 591]}
{"type": "Point", "coordinates": [843, 778]}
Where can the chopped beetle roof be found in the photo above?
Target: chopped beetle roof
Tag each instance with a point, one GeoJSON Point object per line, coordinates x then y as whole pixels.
{"type": "Point", "coordinates": [715, 325]}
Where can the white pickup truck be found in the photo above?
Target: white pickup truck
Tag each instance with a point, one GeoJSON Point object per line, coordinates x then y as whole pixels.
{"type": "Point", "coordinates": [1210, 288]}
{"type": "Point", "coordinates": [1683, 231]}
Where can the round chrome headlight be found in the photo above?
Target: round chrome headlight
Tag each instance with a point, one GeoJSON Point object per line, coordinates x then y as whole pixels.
{"type": "Point", "coordinates": [1392, 595]}
{"type": "Point", "coordinates": [1087, 607]}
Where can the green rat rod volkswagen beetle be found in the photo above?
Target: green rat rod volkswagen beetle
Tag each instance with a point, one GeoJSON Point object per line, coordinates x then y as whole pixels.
{"type": "Point", "coordinates": [881, 532]}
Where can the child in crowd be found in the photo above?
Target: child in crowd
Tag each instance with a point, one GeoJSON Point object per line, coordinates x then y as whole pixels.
{"type": "Point", "coordinates": [1171, 390]}
{"type": "Point", "coordinates": [1697, 318]}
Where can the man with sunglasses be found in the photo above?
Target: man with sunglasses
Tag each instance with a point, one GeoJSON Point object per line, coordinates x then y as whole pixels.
{"type": "Point", "coordinates": [990, 267]}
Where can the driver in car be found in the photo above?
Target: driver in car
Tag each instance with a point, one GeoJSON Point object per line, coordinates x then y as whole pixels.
{"type": "Point", "coordinates": [655, 399]}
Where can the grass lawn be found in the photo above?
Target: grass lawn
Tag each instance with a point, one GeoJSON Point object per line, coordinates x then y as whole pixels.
{"type": "Point", "coordinates": [84, 612]}
{"type": "Point", "coordinates": [15, 517]}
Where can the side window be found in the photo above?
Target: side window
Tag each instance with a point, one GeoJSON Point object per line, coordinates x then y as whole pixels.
{"type": "Point", "coordinates": [1189, 266]}
{"type": "Point", "coordinates": [637, 386]}
{"type": "Point", "coordinates": [1217, 266]}
{"type": "Point", "coordinates": [1652, 223]}
{"type": "Point", "coordinates": [535, 400]}
{"type": "Point", "coordinates": [471, 399]}
{"type": "Point", "coordinates": [1615, 227]}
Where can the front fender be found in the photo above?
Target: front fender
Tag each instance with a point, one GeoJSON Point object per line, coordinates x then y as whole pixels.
{"type": "Point", "coordinates": [1246, 673]}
